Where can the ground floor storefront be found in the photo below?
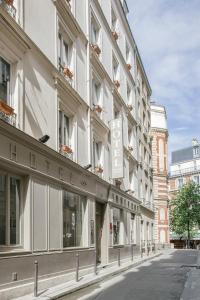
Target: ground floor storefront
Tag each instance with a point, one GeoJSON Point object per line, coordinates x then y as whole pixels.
{"type": "Point", "coordinates": [51, 209]}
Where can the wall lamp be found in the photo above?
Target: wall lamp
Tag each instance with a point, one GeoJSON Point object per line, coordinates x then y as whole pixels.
{"type": "Point", "coordinates": [44, 138]}
{"type": "Point", "coordinates": [87, 167]}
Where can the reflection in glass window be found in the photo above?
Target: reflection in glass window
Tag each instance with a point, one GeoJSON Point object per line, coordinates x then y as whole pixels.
{"type": "Point", "coordinates": [4, 80]}
{"type": "Point", "coordinates": [9, 210]}
{"type": "Point", "coordinates": [73, 216]}
{"type": "Point", "coordinates": [116, 225]}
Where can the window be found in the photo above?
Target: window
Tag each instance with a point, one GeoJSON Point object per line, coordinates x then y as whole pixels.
{"type": "Point", "coordinates": [97, 153]}
{"type": "Point", "coordinates": [146, 193]}
{"type": "Point", "coordinates": [4, 81]}
{"type": "Point", "coordinates": [10, 202]}
{"type": "Point", "coordinates": [127, 53]}
{"type": "Point", "coordinates": [179, 183]}
{"type": "Point", "coordinates": [162, 214]}
{"type": "Point", "coordinates": [95, 32]}
{"type": "Point", "coordinates": [196, 151]}
{"type": "Point", "coordinates": [65, 46]}
{"type": "Point", "coordinates": [131, 181]}
{"type": "Point", "coordinates": [64, 129]}
{"type": "Point", "coordinates": [116, 225]}
{"type": "Point", "coordinates": [96, 92]}
{"type": "Point", "coordinates": [113, 21]}
{"type": "Point", "coordinates": [128, 92]}
{"type": "Point", "coordinates": [196, 179]}
{"type": "Point", "coordinates": [73, 218]}
{"type": "Point", "coordinates": [115, 69]}
{"type": "Point", "coordinates": [132, 229]}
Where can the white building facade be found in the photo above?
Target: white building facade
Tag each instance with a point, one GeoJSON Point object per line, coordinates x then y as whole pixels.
{"type": "Point", "coordinates": [75, 155]}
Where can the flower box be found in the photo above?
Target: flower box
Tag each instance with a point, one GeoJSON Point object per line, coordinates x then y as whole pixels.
{"type": "Point", "coordinates": [67, 72]}
{"type": "Point", "coordinates": [66, 149]}
{"type": "Point", "coordinates": [116, 83]}
{"type": "Point", "coordinates": [96, 49]}
{"type": "Point", "coordinates": [118, 183]}
{"type": "Point", "coordinates": [97, 108]}
{"type": "Point", "coordinates": [115, 35]}
{"type": "Point", "coordinates": [99, 169]}
{"type": "Point", "coordinates": [129, 66]}
{"type": "Point", "coordinates": [6, 109]}
{"type": "Point", "coordinates": [130, 148]}
{"type": "Point", "coordinates": [9, 2]}
{"type": "Point", "coordinates": [130, 107]}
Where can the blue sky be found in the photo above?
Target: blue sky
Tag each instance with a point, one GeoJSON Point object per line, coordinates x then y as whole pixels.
{"type": "Point", "coordinates": [167, 33]}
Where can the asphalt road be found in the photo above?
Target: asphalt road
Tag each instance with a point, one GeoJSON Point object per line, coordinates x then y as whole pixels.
{"type": "Point", "coordinates": [161, 279]}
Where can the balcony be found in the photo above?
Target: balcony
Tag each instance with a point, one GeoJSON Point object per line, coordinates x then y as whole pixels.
{"type": "Point", "coordinates": [7, 113]}
{"type": "Point", "coordinates": [7, 5]}
{"type": "Point", "coordinates": [190, 170]}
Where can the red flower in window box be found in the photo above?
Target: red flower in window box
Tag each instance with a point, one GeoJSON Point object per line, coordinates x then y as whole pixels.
{"type": "Point", "coordinates": [129, 66]}
{"type": "Point", "coordinates": [117, 83]}
{"type": "Point", "coordinates": [130, 148]}
{"type": "Point", "coordinates": [66, 149]}
{"type": "Point", "coordinates": [67, 72]}
{"type": "Point", "coordinates": [130, 107]}
{"type": "Point", "coordinates": [6, 109]}
{"type": "Point", "coordinates": [96, 49]}
{"type": "Point", "coordinates": [115, 35]}
{"type": "Point", "coordinates": [9, 2]}
{"type": "Point", "coordinates": [98, 108]}
{"type": "Point", "coordinates": [99, 169]}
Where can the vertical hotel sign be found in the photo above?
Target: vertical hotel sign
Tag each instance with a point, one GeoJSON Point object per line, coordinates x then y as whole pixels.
{"type": "Point", "coordinates": [117, 148]}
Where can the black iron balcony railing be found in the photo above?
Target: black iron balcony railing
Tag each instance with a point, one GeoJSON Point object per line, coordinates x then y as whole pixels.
{"type": "Point", "coordinates": [8, 6]}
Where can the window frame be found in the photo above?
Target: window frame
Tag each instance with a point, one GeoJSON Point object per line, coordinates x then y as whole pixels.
{"type": "Point", "coordinates": [8, 244]}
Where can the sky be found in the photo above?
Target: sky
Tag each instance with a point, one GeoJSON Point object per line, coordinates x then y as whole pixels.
{"type": "Point", "coordinates": [167, 33]}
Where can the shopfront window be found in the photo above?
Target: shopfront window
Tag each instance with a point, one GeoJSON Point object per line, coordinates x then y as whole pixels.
{"type": "Point", "coordinates": [116, 225]}
{"type": "Point", "coordinates": [9, 210]}
{"type": "Point", "coordinates": [73, 217]}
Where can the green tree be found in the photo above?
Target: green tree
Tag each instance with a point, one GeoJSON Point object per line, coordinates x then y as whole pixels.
{"type": "Point", "coordinates": [185, 210]}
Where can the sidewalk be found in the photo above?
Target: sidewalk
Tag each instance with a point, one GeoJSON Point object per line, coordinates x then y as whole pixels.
{"type": "Point", "coordinates": [87, 280]}
{"type": "Point", "coordinates": [192, 286]}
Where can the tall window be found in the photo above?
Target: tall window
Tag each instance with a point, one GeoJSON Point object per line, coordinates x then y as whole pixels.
{"type": "Point", "coordinates": [116, 225]}
{"type": "Point", "coordinates": [9, 210]}
{"type": "Point", "coordinates": [96, 92]}
{"type": "Point", "coordinates": [113, 21]}
{"type": "Point", "coordinates": [179, 183]}
{"type": "Point", "coordinates": [127, 53]}
{"type": "Point", "coordinates": [128, 91]}
{"type": "Point", "coordinates": [95, 32]}
{"type": "Point", "coordinates": [115, 68]}
{"type": "Point", "coordinates": [65, 47]}
{"type": "Point", "coordinates": [196, 179]}
{"type": "Point", "coordinates": [73, 218]}
{"type": "Point", "coordinates": [97, 153]}
{"type": "Point", "coordinates": [132, 228]}
{"type": "Point", "coordinates": [64, 129]}
{"type": "Point", "coordinates": [4, 81]}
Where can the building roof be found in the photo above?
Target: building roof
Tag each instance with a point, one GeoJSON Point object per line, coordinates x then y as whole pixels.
{"type": "Point", "coordinates": [182, 155]}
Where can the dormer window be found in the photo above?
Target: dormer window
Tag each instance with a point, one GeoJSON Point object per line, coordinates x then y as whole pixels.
{"type": "Point", "coordinates": [196, 151]}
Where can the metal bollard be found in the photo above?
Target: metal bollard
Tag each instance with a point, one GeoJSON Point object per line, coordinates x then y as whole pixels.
{"type": "Point", "coordinates": [131, 252]}
{"type": "Point", "coordinates": [141, 252]}
{"type": "Point", "coordinates": [77, 267]}
{"type": "Point", "coordinates": [36, 279]}
{"type": "Point", "coordinates": [119, 263]}
{"type": "Point", "coordinates": [95, 262]}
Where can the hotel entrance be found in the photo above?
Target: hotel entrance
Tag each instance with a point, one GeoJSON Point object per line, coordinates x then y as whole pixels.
{"type": "Point", "coordinates": [100, 210]}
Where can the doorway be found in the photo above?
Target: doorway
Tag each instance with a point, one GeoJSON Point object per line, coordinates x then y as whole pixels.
{"type": "Point", "coordinates": [99, 228]}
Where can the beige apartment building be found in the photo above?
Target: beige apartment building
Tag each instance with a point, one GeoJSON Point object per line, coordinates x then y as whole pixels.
{"type": "Point", "coordinates": [75, 155]}
{"type": "Point", "coordinates": [159, 134]}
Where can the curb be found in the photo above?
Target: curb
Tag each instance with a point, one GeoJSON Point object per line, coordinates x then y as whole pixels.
{"type": "Point", "coordinates": [95, 280]}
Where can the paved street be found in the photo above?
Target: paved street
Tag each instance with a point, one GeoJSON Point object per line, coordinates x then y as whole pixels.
{"type": "Point", "coordinates": [163, 278]}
